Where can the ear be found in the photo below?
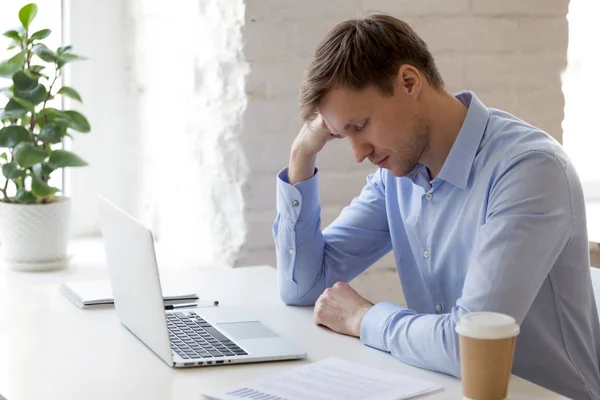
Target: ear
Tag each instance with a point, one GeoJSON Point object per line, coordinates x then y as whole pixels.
{"type": "Point", "coordinates": [409, 80]}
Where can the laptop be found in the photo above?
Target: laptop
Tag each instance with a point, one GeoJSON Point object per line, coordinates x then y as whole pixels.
{"type": "Point", "coordinates": [181, 338]}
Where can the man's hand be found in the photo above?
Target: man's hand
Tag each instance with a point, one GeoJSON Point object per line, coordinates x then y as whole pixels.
{"type": "Point", "coordinates": [341, 309]}
{"type": "Point", "coordinates": [310, 141]}
{"type": "Point", "coordinates": [313, 136]}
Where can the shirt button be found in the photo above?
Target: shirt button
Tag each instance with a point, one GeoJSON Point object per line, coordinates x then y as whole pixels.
{"type": "Point", "coordinates": [291, 251]}
{"type": "Point", "coordinates": [438, 308]}
{"type": "Point", "coordinates": [426, 254]}
{"type": "Point", "coordinates": [428, 196]}
{"type": "Point", "coordinates": [295, 203]}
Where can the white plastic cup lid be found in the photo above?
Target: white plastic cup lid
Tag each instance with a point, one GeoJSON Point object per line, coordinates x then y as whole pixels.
{"type": "Point", "coordinates": [487, 325]}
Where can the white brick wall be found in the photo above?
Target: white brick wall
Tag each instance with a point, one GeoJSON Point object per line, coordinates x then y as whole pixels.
{"type": "Point", "coordinates": [510, 52]}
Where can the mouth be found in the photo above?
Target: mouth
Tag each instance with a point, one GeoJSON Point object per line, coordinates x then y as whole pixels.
{"type": "Point", "coordinates": [380, 163]}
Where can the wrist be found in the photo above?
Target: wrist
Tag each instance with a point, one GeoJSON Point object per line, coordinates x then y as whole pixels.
{"type": "Point", "coordinates": [301, 167]}
{"type": "Point", "coordinates": [299, 152]}
{"type": "Point", "coordinates": [360, 314]}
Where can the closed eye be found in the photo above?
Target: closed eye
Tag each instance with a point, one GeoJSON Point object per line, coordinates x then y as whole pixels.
{"type": "Point", "coordinates": [358, 128]}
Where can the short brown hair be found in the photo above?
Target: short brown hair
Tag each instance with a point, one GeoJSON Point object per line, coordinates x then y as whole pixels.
{"type": "Point", "coordinates": [361, 52]}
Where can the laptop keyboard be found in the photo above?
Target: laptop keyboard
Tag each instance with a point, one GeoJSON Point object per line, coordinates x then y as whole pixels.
{"type": "Point", "coordinates": [196, 338]}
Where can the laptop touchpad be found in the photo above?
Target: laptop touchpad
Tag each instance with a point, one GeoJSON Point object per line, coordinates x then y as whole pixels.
{"type": "Point", "coordinates": [247, 330]}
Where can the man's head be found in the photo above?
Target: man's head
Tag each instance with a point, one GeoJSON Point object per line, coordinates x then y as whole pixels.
{"type": "Point", "coordinates": [367, 81]}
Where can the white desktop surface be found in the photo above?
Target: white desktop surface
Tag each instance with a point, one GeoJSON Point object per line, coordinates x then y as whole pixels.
{"type": "Point", "coordinates": [50, 349]}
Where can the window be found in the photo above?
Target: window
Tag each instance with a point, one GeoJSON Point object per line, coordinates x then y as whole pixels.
{"type": "Point", "coordinates": [581, 85]}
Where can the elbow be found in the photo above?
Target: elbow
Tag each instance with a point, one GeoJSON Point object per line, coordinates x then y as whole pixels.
{"type": "Point", "coordinates": [290, 294]}
{"type": "Point", "coordinates": [445, 365]}
{"type": "Point", "coordinates": [292, 299]}
{"type": "Point", "coordinates": [288, 298]}
{"type": "Point", "coordinates": [453, 368]}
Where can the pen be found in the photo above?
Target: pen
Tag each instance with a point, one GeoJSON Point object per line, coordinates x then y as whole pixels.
{"type": "Point", "coordinates": [188, 305]}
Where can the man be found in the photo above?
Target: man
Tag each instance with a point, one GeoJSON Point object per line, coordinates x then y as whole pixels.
{"type": "Point", "coordinates": [483, 211]}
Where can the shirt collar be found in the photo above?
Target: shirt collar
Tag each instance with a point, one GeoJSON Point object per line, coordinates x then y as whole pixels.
{"type": "Point", "coordinates": [458, 164]}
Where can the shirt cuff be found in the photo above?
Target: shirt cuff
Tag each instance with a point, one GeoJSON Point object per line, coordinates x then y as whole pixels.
{"type": "Point", "coordinates": [375, 322]}
{"type": "Point", "coordinates": [299, 201]}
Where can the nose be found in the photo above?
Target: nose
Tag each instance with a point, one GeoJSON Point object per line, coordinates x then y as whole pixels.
{"type": "Point", "coordinates": [360, 149]}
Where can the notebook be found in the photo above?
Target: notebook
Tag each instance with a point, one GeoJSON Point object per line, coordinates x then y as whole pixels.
{"type": "Point", "coordinates": [330, 379]}
{"type": "Point", "coordinates": [85, 294]}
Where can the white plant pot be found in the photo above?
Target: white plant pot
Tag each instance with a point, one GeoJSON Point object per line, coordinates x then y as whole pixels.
{"type": "Point", "coordinates": [34, 237]}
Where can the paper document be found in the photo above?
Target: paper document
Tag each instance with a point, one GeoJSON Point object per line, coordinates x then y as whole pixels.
{"type": "Point", "coordinates": [331, 379]}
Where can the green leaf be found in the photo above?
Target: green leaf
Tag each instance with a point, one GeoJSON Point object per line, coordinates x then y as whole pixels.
{"type": "Point", "coordinates": [12, 65]}
{"type": "Point", "coordinates": [44, 33]}
{"type": "Point", "coordinates": [12, 135]}
{"type": "Point", "coordinates": [73, 57]}
{"type": "Point", "coordinates": [35, 75]}
{"type": "Point", "coordinates": [12, 110]}
{"type": "Point", "coordinates": [78, 121]}
{"type": "Point", "coordinates": [22, 103]}
{"type": "Point", "coordinates": [43, 52]}
{"type": "Point", "coordinates": [43, 170]}
{"type": "Point", "coordinates": [13, 34]}
{"type": "Point", "coordinates": [32, 75]}
{"type": "Point", "coordinates": [12, 171]}
{"type": "Point", "coordinates": [35, 95]}
{"type": "Point", "coordinates": [41, 188]}
{"type": "Point", "coordinates": [4, 156]}
{"type": "Point", "coordinates": [70, 92]}
{"type": "Point", "coordinates": [23, 81]}
{"type": "Point", "coordinates": [51, 113]}
{"type": "Point", "coordinates": [52, 133]}
{"type": "Point", "coordinates": [69, 119]}
{"type": "Point", "coordinates": [23, 196]}
{"type": "Point", "coordinates": [64, 158]}
{"type": "Point", "coordinates": [10, 114]}
{"type": "Point", "coordinates": [37, 68]}
{"type": "Point", "coordinates": [12, 105]}
{"type": "Point", "coordinates": [27, 155]}
{"type": "Point", "coordinates": [64, 49]}
{"type": "Point", "coordinates": [27, 14]}
{"type": "Point", "coordinates": [56, 116]}
{"type": "Point", "coordinates": [67, 58]}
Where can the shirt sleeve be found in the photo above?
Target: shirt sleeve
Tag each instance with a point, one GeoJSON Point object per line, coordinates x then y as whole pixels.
{"type": "Point", "coordinates": [528, 222]}
{"type": "Point", "coordinates": [310, 260]}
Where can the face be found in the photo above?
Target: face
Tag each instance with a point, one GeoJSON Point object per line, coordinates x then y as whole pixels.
{"type": "Point", "coordinates": [388, 130]}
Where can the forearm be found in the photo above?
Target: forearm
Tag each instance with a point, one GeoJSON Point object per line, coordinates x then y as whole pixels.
{"type": "Point", "coordinates": [309, 260]}
{"type": "Point", "coordinates": [301, 167]}
{"type": "Point", "coordinates": [298, 239]}
{"type": "Point", "coordinates": [300, 266]}
{"type": "Point", "coordinates": [426, 341]}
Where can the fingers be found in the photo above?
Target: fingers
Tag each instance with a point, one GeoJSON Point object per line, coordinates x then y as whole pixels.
{"type": "Point", "coordinates": [321, 305]}
{"type": "Point", "coordinates": [340, 285]}
{"type": "Point", "coordinates": [319, 311]}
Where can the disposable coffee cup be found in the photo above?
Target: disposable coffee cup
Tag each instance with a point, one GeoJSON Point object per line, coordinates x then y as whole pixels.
{"type": "Point", "coordinates": [487, 345]}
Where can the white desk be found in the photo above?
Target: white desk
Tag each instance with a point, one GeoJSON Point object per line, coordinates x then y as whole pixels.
{"type": "Point", "coordinates": [50, 349]}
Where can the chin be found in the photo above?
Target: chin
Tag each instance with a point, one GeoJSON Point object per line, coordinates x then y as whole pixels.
{"type": "Point", "coordinates": [398, 173]}
{"type": "Point", "coordinates": [401, 172]}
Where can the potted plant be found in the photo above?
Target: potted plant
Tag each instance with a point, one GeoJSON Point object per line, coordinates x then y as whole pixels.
{"type": "Point", "coordinates": [34, 216]}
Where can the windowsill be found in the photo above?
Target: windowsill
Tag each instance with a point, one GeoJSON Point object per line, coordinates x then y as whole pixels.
{"type": "Point", "coordinates": [87, 261]}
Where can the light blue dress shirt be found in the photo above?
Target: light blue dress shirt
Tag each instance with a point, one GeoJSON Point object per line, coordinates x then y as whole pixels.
{"type": "Point", "coordinates": [501, 228]}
